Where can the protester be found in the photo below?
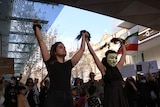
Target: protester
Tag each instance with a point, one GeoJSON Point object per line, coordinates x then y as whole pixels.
{"type": "Point", "coordinates": [30, 92]}
{"type": "Point", "coordinates": [93, 100]}
{"type": "Point", "coordinates": [74, 95]}
{"type": "Point", "coordinates": [59, 70]}
{"type": "Point", "coordinates": [131, 91]}
{"type": "Point", "coordinates": [36, 91]}
{"type": "Point", "coordinates": [11, 92]}
{"type": "Point", "coordinates": [91, 82]}
{"type": "Point", "coordinates": [147, 95]}
{"type": "Point", "coordinates": [80, 86]}
{"type": "Point", "coordinates": [21, 98]}
{"type": "Point", "coordinates": [44, 86]}
{"type": "Point", "coordinates": [113, 91]}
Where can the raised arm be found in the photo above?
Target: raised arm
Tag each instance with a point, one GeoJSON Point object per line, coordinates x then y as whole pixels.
{"type": "Point", "coordinates": [79, 53]}
{"type": "Point", "coordinates": [123, 57]}
{"type": "Point", "coordinates": [150, 76]}
{"type": "Point", "coordinates": [42, 45]}
{"type": "Point", "coordinates": [41, 83]}
{"type": "Point", "coordinates": [100, 66]}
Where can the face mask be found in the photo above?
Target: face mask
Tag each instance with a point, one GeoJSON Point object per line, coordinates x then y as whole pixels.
{"type": "Point", "coordinates": [112, 59]}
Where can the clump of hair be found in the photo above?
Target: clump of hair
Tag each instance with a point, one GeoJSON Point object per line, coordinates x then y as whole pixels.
{"type": "Point", "coordinates": [80, 35]}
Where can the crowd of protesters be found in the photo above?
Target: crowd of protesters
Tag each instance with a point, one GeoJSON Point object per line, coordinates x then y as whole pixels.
{"type": "Point", "coordinates": [13, 93]}
{"type": "Point", "coordinates": [141, 91]}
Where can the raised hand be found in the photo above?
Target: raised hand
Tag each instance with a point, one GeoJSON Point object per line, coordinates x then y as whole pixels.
{"type": "Point", "coordinates": [81, 33]}
{"type": "Point", "coordinates": [36, 24]}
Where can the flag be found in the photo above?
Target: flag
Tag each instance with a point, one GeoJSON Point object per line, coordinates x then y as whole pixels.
{"type": "Point", "coordinates": [131, 43]}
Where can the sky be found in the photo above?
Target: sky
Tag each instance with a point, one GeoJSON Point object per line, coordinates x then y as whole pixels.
{"type": "Point", "coordinates": [71, 21]}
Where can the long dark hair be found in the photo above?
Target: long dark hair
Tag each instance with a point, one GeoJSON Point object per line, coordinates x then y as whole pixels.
{"type": "Point", "coordinates": [28, 81]}
{"type": "Point", "coordinates": [104, 61]}
{"type": "Point", "coordinates": [52, 52]}
{"type": "Point", "coordinates": [80, 35]}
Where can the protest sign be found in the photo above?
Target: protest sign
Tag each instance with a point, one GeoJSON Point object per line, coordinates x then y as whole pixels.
{"type": "Point", "coordinates": [128, 71]}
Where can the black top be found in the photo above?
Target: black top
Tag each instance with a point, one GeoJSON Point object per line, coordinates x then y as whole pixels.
{"type": "Point", "coordinates": [59, 74]}
{"type": "Point", "coordinates": [114, 95]}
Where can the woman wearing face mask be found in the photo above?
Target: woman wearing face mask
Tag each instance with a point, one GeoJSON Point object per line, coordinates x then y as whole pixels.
{"type": "Point", "coordinates": [113, 91]}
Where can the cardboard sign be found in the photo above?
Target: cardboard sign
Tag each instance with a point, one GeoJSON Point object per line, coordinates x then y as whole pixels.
{"type": "Point", "coordinates": [150, 66]}
{"type": "Point", "coordinates": [6, 65]}
{"type": "Point", "coordinates": [153, 67]}
{"type": "Point", "coordinates": [128, 71]}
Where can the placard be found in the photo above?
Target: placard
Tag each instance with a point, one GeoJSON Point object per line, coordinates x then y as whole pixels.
{"type": "Point", "coordinates": [6, 65]}
{"type": "Point", "coordinates": [150, 66]}
{"type": "Point", "coordinates": [153, 67]}
{"type": "Point", "coordinates": [128, 71]}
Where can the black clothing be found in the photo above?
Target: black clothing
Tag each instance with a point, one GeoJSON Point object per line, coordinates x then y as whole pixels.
{"type": "Point", "coordinates": [114, 95]}
{"type": "Point", "coordinates": [131, 93]}
{"type": "Point", "coordinates": [11, 96]}
{"type": "Point", "coordinates": [93, 101]}
{"type": "Point", "coordinates": [42, 95]}
{"type": "Point", "coordinates": [144, 94]}
{"type": "Point", "coordinates": [30, 98]}
{"type": "Point", "coordinates": [59, 93]}
{"type": "Point", "coordinates": [58, 99]}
